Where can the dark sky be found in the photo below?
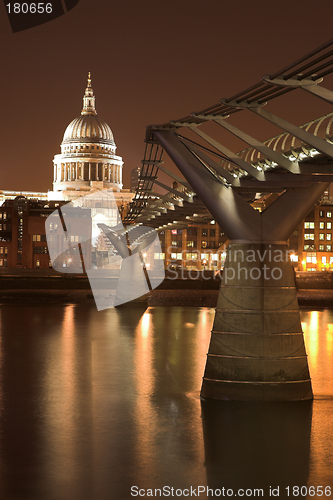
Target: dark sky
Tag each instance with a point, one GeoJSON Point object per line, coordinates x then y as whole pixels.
{"type": "Point", "coordinates": [151, 61]}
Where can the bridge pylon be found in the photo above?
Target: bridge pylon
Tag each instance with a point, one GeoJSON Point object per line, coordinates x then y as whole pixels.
{"type": "Point", "coordinates": [257, 349]}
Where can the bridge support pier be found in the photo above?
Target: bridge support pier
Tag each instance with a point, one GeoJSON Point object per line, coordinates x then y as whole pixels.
{"type": "Point", "coordinates": [257, 349]}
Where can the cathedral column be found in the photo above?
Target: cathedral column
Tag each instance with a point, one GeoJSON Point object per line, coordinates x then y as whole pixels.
{"type": "Point", "coordinates": [76, 171]}
{"type": "Point", "coordinates": [89, 174]}
{"type": "Point", "coordinates": [109, 172]}
{"type": "Point", "coordinates": [97, 176]}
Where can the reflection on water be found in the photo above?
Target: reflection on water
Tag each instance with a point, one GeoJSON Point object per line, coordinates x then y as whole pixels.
{"type": "Point", "coordinates": [318, 334]}
{"type": "Point", "coordinates": [257, 445]}
{"type": "Point", "coordinates": [92, 403]}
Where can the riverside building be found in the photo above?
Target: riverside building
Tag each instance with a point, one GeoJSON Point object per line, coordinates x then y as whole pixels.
{"type": "Point", "coordinates": [22, 234]}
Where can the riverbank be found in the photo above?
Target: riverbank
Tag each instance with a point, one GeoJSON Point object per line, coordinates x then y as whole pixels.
{"type": "Point", "coordinates": [186, 298]}
{"type": "Point", "coordinates": [315, 290]}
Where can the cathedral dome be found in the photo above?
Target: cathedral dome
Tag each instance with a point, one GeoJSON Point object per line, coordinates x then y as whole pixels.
{"type": "Point", "coordinates": [88, 127]}
{"type": "Point", "coordinates": [88, 160]}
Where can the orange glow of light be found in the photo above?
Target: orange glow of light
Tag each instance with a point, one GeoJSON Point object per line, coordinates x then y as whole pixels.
{"type": "Point", "coordinates": [304, 326]}
{"type": "Point", "coordinates": [313, 338]}
{"type": "Point", "coordinates": [60, 386]}
{"type": "Point", "coordinates": [329, 333]}
{"type": "Point", "coordinates": [145, 324]}
{"type": "Point", "coordinates": [144, 377]}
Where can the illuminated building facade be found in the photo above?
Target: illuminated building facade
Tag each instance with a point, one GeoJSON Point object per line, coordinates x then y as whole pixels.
{"type": "Point", "coordinates": [203, 246]}
{"type": "Point", "coordinates": [23, 239]}
{"type": "Point", "coordinates": [195, 247]}
{"type": "Point", "coordinates": [315, 239]}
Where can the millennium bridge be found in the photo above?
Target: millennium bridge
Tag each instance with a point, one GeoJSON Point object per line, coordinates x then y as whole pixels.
{"type": "Point", "coordinates": [257, 349]}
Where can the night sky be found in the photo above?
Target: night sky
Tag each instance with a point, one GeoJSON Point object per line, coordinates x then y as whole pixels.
{"type": "Point", "coordinates": [151, 61]}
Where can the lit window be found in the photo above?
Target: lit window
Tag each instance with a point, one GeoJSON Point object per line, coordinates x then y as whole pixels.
{"type": "Point", "coordinates": [321, 213]}
{"type": "Point", "coordinates": [1, 262]}
{"type": "Point", "coordinates": [329, 225]}
{"type": "Point", "coordinates": [323, 259]}
{"type": "Point", "coordinates": [321, 236]}
{"type": "Point", "coordinates": [191, 256]}
{"type": "Point", "coordinates": [329, 214]}
{"type": "Point", "coordinates": [159, 256]}
{"type": "Point", "coordinates": [204, 232]}
{"type": "Point", "coordinates": [321, 225]}
{"type": "Point", "coordinates": [328, 248]}
{"type": "Point", "coordinates": [328, 236]}
{"type": "Point", "coordinates": [204, 244]}
{"type": "Point", "coordinates": [309, 236]}
{"type": "Point", "coordinates": [321, 248]}
{"type": "Point", "coordinates": [309, 225]}
{"type": "Point", "coordinates": [179, 256]}
{"type": "Point", "coordinates": [174, 256]}
{"type": "Point", "coordinates": [190, 243]}
{"type": "Point", "coordinates": [311, 257]}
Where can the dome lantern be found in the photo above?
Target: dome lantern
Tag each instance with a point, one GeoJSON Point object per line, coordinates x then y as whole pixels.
{"type": "Point", "coordinates": [89, 99]}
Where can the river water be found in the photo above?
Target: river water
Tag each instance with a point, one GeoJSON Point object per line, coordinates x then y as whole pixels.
{"type": "Point", "coordinates": [93, 404]}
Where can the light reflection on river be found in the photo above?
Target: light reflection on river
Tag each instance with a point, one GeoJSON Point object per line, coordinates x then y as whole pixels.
{"type": "Point", "coordinates": [95, 402]}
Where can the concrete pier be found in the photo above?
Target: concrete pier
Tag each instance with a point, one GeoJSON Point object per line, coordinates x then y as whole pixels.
{"type": "Point", "coordinates": [257, 349]}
